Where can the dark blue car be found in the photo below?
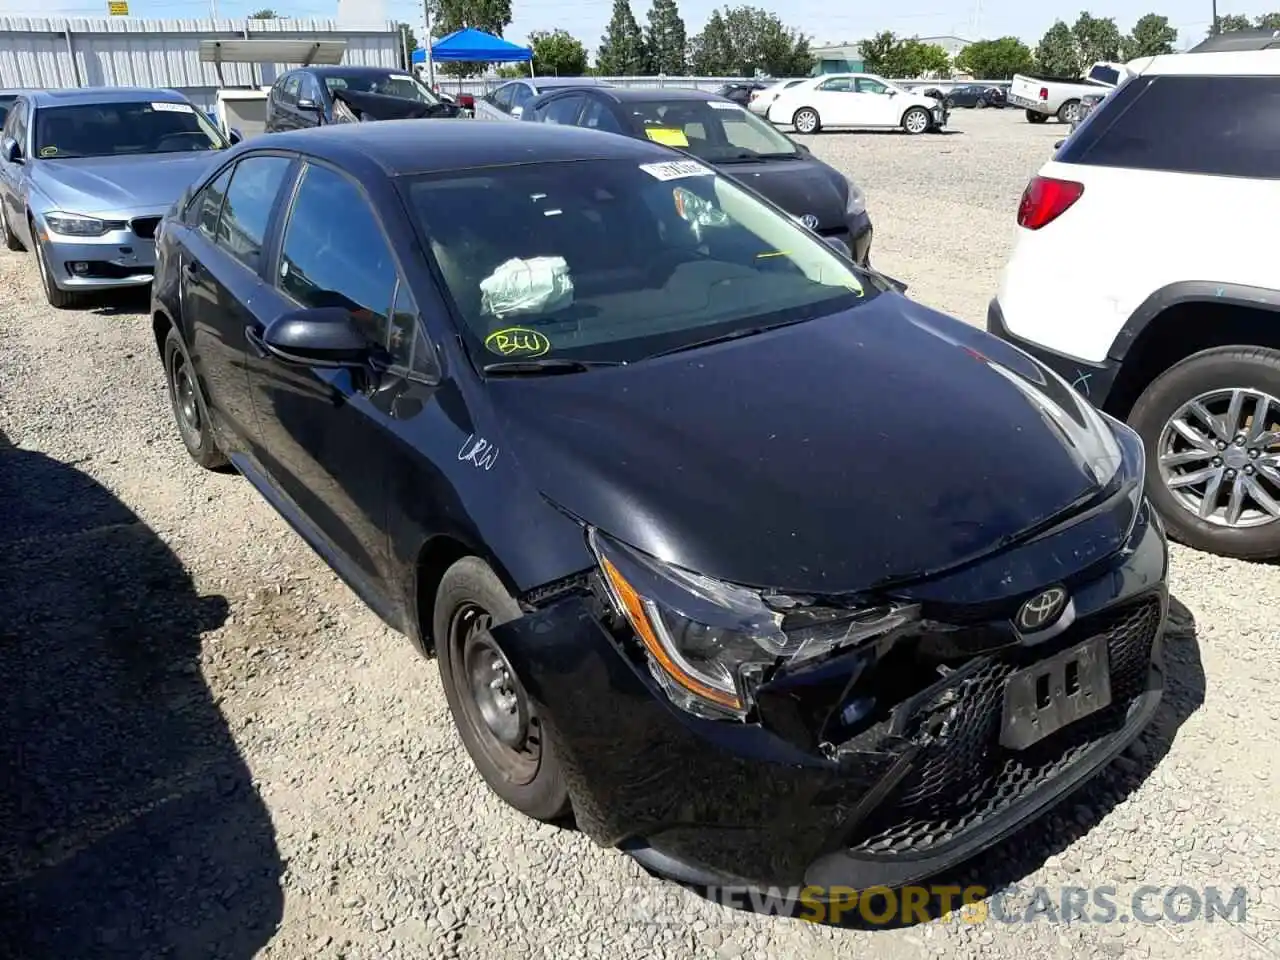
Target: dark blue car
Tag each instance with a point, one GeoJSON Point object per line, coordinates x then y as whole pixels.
{"type": "Point", "coordinates": [766, 573]}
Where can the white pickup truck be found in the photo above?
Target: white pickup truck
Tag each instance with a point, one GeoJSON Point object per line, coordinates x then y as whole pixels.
{"type": "Point", "coordinates": [1045, 97]}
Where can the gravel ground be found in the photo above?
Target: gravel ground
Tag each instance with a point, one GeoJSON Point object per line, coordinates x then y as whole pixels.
{"type": "Point", "coordinates": [210, 748]}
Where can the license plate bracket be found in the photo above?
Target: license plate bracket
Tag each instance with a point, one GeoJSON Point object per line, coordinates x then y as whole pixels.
{"type": "Point", "coordinates": [1042, 699]}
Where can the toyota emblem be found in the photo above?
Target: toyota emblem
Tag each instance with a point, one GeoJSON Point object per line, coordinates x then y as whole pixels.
{"type": "Point", "coordinates": [1042, 609]}
{"type": "Point", "coordinates": [810, 221]}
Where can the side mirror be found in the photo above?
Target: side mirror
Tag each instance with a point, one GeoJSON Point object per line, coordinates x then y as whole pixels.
{"type": "Point", "coordinates": [896, 284]}
{"type": "Point", "coordinates": [838, 245]}
{"type": "Point", "coordinates": [803, 149]}
{"type": "Point", "coordinates": [1058, 145]}
{"type": "Point", "coordinates": [893, 93]}
{"type": "Point", "coordinates": [235, 136]}
{"type": "Point", "coordinates": [10, 151]}
{"type": "Point", "coordinates": [517, 112]}
{"type": "Point", "coordinates": [306, 103]}
{"type": "Point", "coordinates": [319, 337]}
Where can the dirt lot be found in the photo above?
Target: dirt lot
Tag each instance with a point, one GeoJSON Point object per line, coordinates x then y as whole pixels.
{"type": "Point", "coordinates": [208, 747]}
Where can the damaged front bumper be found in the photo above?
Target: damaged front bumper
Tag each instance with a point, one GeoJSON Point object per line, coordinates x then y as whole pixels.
{"type": "Point", "coordinates": [921, 783]}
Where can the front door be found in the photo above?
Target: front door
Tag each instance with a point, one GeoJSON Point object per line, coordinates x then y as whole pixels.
{"type": "Point", "coordinates": [875, 103]}
{"type": "Point", "coordinates": [327, 436]}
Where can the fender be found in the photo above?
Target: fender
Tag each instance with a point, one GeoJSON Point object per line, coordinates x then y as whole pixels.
{"type": "Point", "coordinates": [1189, 291]}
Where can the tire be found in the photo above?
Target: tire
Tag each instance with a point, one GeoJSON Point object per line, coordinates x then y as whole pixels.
{"type": "Point", "coordinates": [916, 121]}
{"type": "Point", "coordinates": [806, 120]}
{"type": "Point", "coordinates": [980, 104]}
{"type": "Point", "coordinates": [524, 770]}
{"type": "Point", "coordinates": [1211, 376]}
{"type": "Point", "coordinates": [1069, 111]}
{"type": "Point", "coordinates": [1033, 117]}
{"type": "Point", "coordinates": [11, 242]}
{"type": "Point", "coordinates": [58, 298]}
{"type": "Point", "coordinates": [186, 401]}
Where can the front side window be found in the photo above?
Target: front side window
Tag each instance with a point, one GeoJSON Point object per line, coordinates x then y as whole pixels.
{"type": "Point", "coordinates": [387, 84]}
{"type": "Point", "coordinates": [865, 85]}
{"type": "Point", "coordinates": [838, 85]}
{"type": "Point", "coordinates": [598, 117]}
{"type": "Point", "coordinates": [255, 183]}
{"type": "Point", "coordinates": [6, 103]}
{"type": "Point", "coordinates": [618, 260]}
{"type": "Point", "coordinates": [292, 84]}
{"type": "Point", "coordinates": [713, 130]}
{"type": "Point", "coordinates": [123, 129]}
{"type": "Point", "coordinates": [520, 96]}
{"type": "Point", "coordinates": [338, 261]}
{"type": "Point", "coordinates": [563, 110]}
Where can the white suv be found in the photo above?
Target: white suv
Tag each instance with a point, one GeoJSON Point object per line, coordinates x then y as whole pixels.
{"type": "Point", "coordinates": [855, 100]}
{"type": "Point", "coordinates": [1137, 276]}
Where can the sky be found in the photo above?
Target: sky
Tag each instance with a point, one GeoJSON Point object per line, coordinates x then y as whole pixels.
{"type": "Point", "coordinates": [586, 19]}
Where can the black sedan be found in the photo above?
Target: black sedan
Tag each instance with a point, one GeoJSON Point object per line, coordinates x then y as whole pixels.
{"type": "Point", "coordinates": [732, 139]}
{"type": "Point", "coordinates": [740, 93]}
{"type": "Point", "coordinates": [767, 573]}
{"type": "Point", "coordinates": [976, 95]}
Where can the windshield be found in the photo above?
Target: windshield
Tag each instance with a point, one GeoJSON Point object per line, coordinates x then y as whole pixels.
{"type": "Point", "coordinates": [714, 130]}
{"type": "Point", "coordinates": [123, 129]}
{"type": "Point", "coordinates": [612, 260]}
{"type": "Point", "coordinates": [388, 84]}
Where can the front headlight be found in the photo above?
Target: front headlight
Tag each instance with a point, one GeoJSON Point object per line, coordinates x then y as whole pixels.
{"type": "Point", "coordinates": [710, 644]}
{"type": "Point", "coordinates": [857, 202]}
{"type": "Point", "coordinates": [75, 224]}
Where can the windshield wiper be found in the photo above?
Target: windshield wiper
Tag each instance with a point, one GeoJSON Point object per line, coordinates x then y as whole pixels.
{"type": "Point", "coordinates": [725, 337]}
{"type": "Point", "coordinates": [757, 157]}
{"type": "Point", "coordinates": [544, 366]}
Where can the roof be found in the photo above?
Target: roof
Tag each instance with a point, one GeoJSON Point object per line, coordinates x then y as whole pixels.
{"type": "Point", "coordinates": [1243, 63]}
{"type": "Point", "coordinates": [475, 46]}
{"type": "Point", "coordinates": [555, 83]}
{"type": "Point", "coordinates": [402, 147]}
{"type": "Point", "coordinates": [1238, 40]}
{"type": "Point", "coordinates": [650, 94]}
{"type": "Point", "coordinates": [71, 97]}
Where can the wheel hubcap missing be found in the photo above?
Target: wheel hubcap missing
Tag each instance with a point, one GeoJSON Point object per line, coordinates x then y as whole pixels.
{"type": "Point", "coordinates": [497, 707]}
{"type": "Point", "coordinates": [1219, 456]}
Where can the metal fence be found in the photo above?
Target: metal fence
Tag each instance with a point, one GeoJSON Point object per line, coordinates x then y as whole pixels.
{"type": "Point", "coordinates": [479, 86]}
{"type": "Point", "coordinates": [125, 52]}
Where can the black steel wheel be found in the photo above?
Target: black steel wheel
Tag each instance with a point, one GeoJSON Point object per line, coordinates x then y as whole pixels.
{"type": "Point", "coordinates": [498, 723]}
{"type": "Point", "coordinates": [190, 412]}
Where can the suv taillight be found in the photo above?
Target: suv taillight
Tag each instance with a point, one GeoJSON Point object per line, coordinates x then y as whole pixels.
{"type": "Point", "coordinates": [1046, 199]}
{"type": "Point", "coordinates": [1044, 93]}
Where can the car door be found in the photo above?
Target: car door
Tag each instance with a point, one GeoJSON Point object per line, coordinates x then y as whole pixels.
{"type": "Point", "coordinates": [325, 435]}
{"type": "Point", "coordinates": [837, 103]}
{"type": "Point", "coordinates": [14, 176]}
{"type": "Point", "coordinates": [220, 253]}
{"type": "Point", "coordinates": [878, 104]}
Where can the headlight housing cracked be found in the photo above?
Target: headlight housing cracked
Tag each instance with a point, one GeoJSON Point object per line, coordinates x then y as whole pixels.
{"type": "Point", "coordinates": [710, 644]}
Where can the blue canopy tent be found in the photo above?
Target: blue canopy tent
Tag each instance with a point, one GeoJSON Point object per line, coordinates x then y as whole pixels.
{"type": "Point", "coordinates": [475, 46]}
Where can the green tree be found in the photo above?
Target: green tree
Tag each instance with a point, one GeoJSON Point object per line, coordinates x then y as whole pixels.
{"type": "Point", "coordinates": [1097, 38]}
{"type": "Point", "coordinates": [877, 52]}
{"type": "Point", "coordinates": [995, 59]}
{"type": "Point", "coordinates": [491, 16]}
{"type": "Point", "coordinates": [761, 43]}
{"type": "Point", "coordinates": [1268, 21]}
{"type": "Point", "coordinates": [918, 59]}
{"type": "Point", "coordinates": [558, 53]}
{"type": "Point", "coordinates": [1150, 36]}
{"type": "Point", "coordinates": [622, 52]}
{"type": "Point", "coordinates": [665, 39]}
{"type": "Point", "coordinates": [265, 14]}
{"type": "Point", "coordinates": [711, 51]}
{"type": "Point", "coordinates": [1230, 22]}
{"type": "Point", "coordinates": [1057, 54]}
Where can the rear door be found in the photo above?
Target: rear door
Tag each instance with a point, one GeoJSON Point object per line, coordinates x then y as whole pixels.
{"type": "Point", "coordinates": [220, 255]}
{"type": "Point", "coordinates": [328, 436]}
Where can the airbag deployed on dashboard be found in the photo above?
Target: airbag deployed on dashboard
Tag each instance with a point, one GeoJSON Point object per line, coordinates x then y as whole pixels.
{"type": "Point", "coordinates": [539, 285]}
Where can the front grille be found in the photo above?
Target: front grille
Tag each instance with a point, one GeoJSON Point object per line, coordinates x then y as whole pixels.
{"type": "Point", "coordinates": [963, 776]}
{"type": "Point", "coordinates": [145, 227]}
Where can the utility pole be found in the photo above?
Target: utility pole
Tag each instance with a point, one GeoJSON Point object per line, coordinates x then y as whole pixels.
{"type": "Point", "coordinates": [1215, 17]}
{"type": "Point", "coordinates": [213, 9]}
{"type": "Point", "coordinates": [429, 16]}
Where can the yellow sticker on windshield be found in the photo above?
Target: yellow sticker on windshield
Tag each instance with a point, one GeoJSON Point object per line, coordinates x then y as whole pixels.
{"type": "Point", "coordinates": [517, 342]}
{"type": "Point", "coordinates": [48, 151]}
{"type": "Point", "coordinates": [667, 136]}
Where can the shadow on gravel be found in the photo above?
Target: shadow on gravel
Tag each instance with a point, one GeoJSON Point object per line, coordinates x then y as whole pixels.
{"type": "Point", "coordinates": [1007, 864]}
{"type": "Point", "coordinates": [129, 825]}
{"type": "Point", "coordinates": [894, 132]}
{"type": "Point", "coordinates": [119, 303]}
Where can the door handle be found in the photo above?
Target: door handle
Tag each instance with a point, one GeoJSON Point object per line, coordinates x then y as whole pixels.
{"type": "Point", "coordinates": [256, 343]}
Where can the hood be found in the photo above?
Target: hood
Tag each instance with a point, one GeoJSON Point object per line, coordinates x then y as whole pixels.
{"type": "Point", "coordinates": [378, 106]}
{"type": "Point", "coordinates": [880, 444]}
{"type": "Point", "coordinates": [104, 185]}
{"type": "Point", "coordinates": [800, 186]}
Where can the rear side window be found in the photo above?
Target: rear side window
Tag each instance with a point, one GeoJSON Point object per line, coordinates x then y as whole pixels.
{"type": "Point", "coordinates": [1222, 126]}
{"type": "Point", "coordinates": [247, 208]}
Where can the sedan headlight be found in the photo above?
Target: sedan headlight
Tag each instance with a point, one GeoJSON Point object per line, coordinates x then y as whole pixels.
{"type": "Point", "coordinates": [857, 202]}
{"type": "Point", "coordinates": [710, 644]}
{"type": "Point", "coordinates": [76, 224]}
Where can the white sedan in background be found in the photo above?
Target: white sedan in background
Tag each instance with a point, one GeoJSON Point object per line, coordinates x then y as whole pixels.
{"type": "Point", "coordinates": [761, 100]}
{"type": "Point", "coordinates": [855, 100]}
